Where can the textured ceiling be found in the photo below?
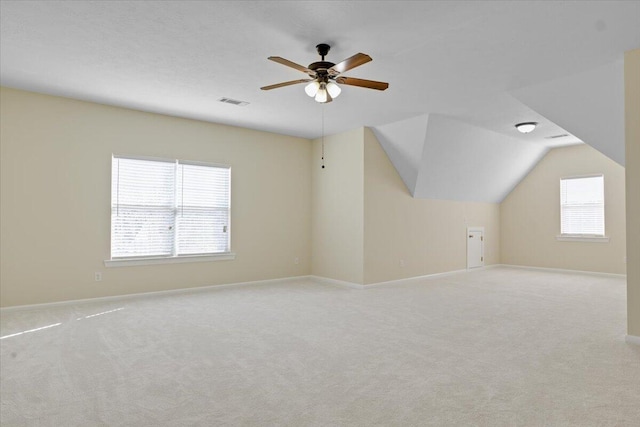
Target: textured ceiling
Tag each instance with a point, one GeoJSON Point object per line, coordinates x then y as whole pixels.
{"type": "Point", "coordinates": [451, 58]}
{"type": "Point", "coordinates": [461, 73]}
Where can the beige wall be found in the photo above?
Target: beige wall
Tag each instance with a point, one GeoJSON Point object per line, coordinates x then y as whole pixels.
{"type": "Point", "coordinates": [632, 160]}
{"type": "Point", "coordinates": [55, 198]}
{"type": "Point", "coordinates": [353, 221]}
{"type": "Point", "coordinates": [429, 236]}
{"type": "Point", "coordinates": [530, 215]}
{"type": "Point", "coordinates": [337, 206]}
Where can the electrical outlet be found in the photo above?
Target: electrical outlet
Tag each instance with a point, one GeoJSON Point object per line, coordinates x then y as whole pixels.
{"type": "Point", "coordinates": [624, 259]}
{"type": "Point", "coordinates": [296, 260]}
{"type": "Point", "coordinates": [401, 263]}
{"type": "Point", "coordinates": [98, 276]}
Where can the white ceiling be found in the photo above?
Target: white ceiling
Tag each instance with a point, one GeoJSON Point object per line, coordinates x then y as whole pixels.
{"type": "Point", "coordinates": [457, 59]}
{"type": "Point", "coordinates": [442, 158]}
{"type": "Point", "coordinates": [590, 104]}
{"type": "Point", "coordinates": [461, 73]}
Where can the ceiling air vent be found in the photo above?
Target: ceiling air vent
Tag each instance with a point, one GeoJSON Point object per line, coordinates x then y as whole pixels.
{"type": "Point", "coordinates": [233, 102]}
{"type": "Point", "coordinates": [562, 135]}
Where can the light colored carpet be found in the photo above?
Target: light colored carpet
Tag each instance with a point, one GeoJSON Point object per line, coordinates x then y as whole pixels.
{"type": "Point", "coordinates": [498, 347]}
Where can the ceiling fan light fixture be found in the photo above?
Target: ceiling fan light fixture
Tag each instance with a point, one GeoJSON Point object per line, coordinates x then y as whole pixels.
{"type": "Point", "coordinates": [321, 96]}
{"type": "Point", "coordinates": [312, 88]}
{"type": "Point", "coordinates": [333, 89]}
{"type": "Point", "coordinates": [526, 127]}
{"type": "Point", "coordinates": [321, 75]}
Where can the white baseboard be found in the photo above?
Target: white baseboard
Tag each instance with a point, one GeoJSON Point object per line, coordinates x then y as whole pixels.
{"type": "Point", "coordinates": [328, 281]}
{"type": "Point", "coordinates": [563, 270]}
{"type": "Point", "coordinates": [318, 279]}
{"type": "Point", "coordinates": [632, 339]}
{"type": "Point", "coordinates": [418, 278]}
{"type": "Point", "coordinates": [148, 294]}
{"type": "Point", "coordinates": [352, 285]}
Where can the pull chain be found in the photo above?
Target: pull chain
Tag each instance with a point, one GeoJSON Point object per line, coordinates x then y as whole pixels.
{"type": "Point", "coordinates": [322, 106]}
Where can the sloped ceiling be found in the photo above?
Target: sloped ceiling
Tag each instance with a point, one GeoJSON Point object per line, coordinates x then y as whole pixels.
{"type": "Point", "coordinates": [442, 158]}
{"type": "Point", "coordinates": [439, 157]}
{"type": "Point", "coordinates": [589, 104]}
{"type": "Point", "coordinates": [404, 142]}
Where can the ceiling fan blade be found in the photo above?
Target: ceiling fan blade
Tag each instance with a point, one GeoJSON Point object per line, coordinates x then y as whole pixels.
{"type": "Point", "coordinates": [288, 63]}
{"type": "Point", "coordinates": [370, 84]}
{"type": "Point", "coordinates": [349, 63]}
{"type": "Point", "coordinates": [292, 82]}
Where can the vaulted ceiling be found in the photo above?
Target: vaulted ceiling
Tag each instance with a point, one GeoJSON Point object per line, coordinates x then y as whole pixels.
{"type": "Point", "coordinates": [461, 74]}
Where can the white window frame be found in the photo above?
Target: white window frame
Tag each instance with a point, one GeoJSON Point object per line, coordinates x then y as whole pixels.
{"type": "Point", "coordinates": [594, 238]}
{"type": "Point", "coordinates": [174, 258]}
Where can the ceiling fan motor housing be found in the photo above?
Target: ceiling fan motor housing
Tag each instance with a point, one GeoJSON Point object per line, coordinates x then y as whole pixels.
{"type": "Point", "coordinates": [320, 68]}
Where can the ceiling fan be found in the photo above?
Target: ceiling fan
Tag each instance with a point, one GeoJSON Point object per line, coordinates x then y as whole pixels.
{"type": "Point", "coordinates": [324, 75]}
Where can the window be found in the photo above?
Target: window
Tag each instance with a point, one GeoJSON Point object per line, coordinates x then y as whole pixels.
{"type": "Point", "coordinates": [168, 208]}
{"type": "Point", "coordinates": [582, 206]}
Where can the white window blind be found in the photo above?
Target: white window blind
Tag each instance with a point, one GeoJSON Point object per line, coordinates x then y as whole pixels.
{"type": "Point", "coordinates": [203, 209]}
{"type": "Point", "coordinates": [582, 206]}
{"type": "Point", "coordinates": [168, 208]}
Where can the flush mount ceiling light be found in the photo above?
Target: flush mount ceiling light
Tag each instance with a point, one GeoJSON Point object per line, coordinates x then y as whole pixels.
{"type": "Point", "coordinates": [526, 127]}
{"type": "Point", "coordinates": [325, 75]}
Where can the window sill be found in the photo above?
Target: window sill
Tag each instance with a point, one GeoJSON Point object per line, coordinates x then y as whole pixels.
{"type": "Point", "coordinates": [577, 238]}
{"type": "Point", "coordinates": [128, 262]}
